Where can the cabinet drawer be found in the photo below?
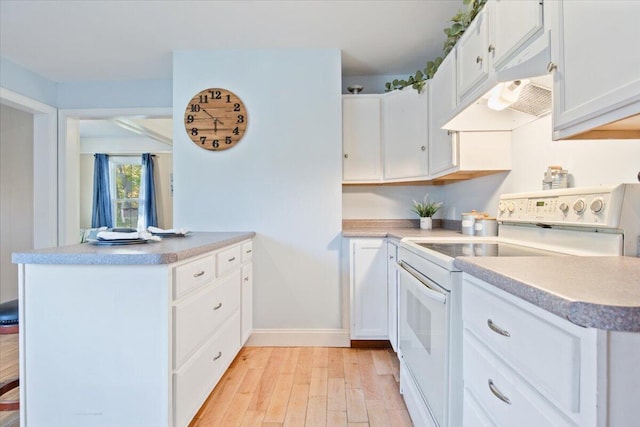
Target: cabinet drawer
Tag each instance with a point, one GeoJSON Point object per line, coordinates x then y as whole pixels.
{"type": "Point", "coordinates": [247, 251]}
{"type": "Point", "coordinates": [198, 317]}
{"type": "Point", "coordinates": [228, 259]}
{"type": "Point", "coordinates": [525, 408]}
{"type": "Point", "coordinates": [546, 354]}
{"type": "Point", "coordinates": [195, 380]}
{"type": "Point", "coordinates": [188, 277]}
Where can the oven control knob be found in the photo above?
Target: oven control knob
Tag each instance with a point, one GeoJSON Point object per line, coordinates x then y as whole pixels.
{"type": "Point", "coordinates": [564, 207]}
{"type": "Point", "coordinates": [597, 205]}
{"type": "Point", "coordinates": [502, 206]}
{"type": "Point", "coordinates": [511, 207]}
{"type": "Point", "coordinates": [579, 206]}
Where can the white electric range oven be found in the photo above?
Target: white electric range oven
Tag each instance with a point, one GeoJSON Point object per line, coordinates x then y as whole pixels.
{"type": "Point", "coordinates": [588, 221]}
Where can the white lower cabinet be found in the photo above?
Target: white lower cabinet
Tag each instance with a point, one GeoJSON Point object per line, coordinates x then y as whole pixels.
{"type": "Point", "coordinates": [392, 293]}
{"type": "Point", "coordinates": [210, 324]}
{"type": "Point", "coordinates": [194, 381]}
{"type": "Point", "coordinates": [522, 365]}
{"type": "Point", "coordinates": [368, 288]}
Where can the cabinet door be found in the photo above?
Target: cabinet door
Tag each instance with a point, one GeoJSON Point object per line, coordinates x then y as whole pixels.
{"type": "Point", "coordinates": [405, 124]}
{"type": "Point", "coordinates": [392, 293]}
{"type": "Point", "coordinates": [247, 302]}
{"type": "Point", "coordinates": [597, 79]}
{"type": "Point", "coordinates": [361, 138]}
{"type": "Point", "coordinates": [442, 100]}
{"type": "Point", "coordinates": [368, 277]}
{"type": "Point", "coordinates": [514, 23]}
{"type": "Point", "coordinates": [473, 58]}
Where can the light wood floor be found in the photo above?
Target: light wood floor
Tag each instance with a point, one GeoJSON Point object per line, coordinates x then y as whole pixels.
{"type": "Point", "coordinates": [307, 386]}
{"type": "Point", "coordinates": [8, 370]}
{"type": "Point", "coordinates": [287, 386]}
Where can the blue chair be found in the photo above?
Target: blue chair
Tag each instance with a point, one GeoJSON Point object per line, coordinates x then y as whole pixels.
{"type": "Point", "coordinates": [9, 326]}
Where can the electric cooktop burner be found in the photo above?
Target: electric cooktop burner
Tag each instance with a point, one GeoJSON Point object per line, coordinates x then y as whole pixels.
{"type": "Point", "coordinates": [484, 249]}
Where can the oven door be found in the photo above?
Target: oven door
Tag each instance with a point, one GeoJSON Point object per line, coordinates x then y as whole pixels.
{"type": "Point", "coordinates": [423, 337]}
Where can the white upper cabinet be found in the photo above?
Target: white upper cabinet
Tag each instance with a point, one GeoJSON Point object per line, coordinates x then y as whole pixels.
{"type": "Point", "coordinates": [405, 134]}
{"type": "Point", "coordinates": [442, 101]}
{"type": "Point", "coordinates": [361, 138]}
{"type": "Point", "coordinates": [514, 23]}
{"type": "Point", "coordinates": [473, 56]}
{"type": "Point", "coordinates": [597, 68]}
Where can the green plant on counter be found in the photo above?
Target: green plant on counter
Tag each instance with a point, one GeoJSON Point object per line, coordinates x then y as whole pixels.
{"type": "Point", "coordinates": [460, 23]}
{"type": "Point", "coordinates": [426, 209]}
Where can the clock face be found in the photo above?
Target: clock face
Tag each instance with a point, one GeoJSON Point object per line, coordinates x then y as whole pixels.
{"type": "Point", "coordinates": [215, 119]}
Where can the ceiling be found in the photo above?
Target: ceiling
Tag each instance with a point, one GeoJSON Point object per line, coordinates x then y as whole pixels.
{"type": "Point", "coordinates": [67, 41]}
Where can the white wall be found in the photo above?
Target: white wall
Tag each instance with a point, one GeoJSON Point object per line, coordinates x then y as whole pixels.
{"type": "Point", "coordinates": [283, 180]}
{"type": "Point", "coordinates": [386, 202]}
{"type": "Point", "coordinates": [16, 194]}
{"type": "Point", "coordinates": [590, 163]}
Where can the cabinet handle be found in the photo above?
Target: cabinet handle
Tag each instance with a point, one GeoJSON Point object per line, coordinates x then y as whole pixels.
{"type": "Point", "coordinates": [497, 393]}
{"type": "Point", "coordinates": [232, 259]}
{"type": "Point", "coordinates": [390, 256]}
{"type": "Point", "coordinates": [479, 60]}
{"type": "Point", "coordinates": [248, 251]}
{"type": "Point", "coordinates": [491, 48]}
{"type": "Point", "coordinates": [218, 356]}
{"type": "Point", "coordinates": [246, 279]}
{"type": "Point", "coordinates": [217, 307]}
{"type": "Point", "coordinates": [423, 148]}
{"type": "Point", "coordinates": [497, 329]}
{"type": "Point", "coordinates": [201, 273]}
{"type": "Point", "coordinates": [551, 67]}
{"type": "Point", "coordinates": [346, 156]}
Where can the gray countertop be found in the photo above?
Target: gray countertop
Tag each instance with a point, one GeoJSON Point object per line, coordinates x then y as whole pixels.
{"type": "Point", "coordinates": [596, 292]}
{"type": "Point", "coordinates": [167, 251]}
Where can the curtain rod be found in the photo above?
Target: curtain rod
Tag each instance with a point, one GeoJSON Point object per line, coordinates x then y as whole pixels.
{"type": "Point", "coordinates": [124, 154]}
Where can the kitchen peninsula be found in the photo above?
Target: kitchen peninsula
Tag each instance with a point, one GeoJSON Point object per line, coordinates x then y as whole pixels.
{"type": "Point", "coordinates": [130, 335]}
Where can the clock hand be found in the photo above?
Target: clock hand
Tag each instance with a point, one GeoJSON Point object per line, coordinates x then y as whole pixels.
{"type": "Point", "coordinates": [207, 113]}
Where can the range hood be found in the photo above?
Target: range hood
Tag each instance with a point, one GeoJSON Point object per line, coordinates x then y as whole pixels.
{"type": "Point", "coordinates": [529, 71]}
{"type": "Point", "coordinates": [522, 86]}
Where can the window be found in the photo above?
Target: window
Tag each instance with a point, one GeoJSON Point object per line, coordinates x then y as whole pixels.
{"type": "Point", "coordinates": [125, 176]}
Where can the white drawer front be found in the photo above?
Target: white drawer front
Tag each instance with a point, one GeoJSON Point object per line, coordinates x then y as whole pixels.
{"type": "Point", "coordinates": [197, 318]}
{"type": "Point", "coordinates": [228, 259]}
{"type": "Point", "coordinates": [545, 354]}
{"type": "Point", "coordinates": [195, 380]}
{"type": "Point", "coordinates": [525, 408]}
{"type": "Point", "coordinates": [193, 275]}
{"type": "Point", "coordinates": [247, 251]}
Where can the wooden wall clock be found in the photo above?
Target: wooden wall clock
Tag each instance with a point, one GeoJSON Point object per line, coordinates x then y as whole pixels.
{"type": "Point", "coordinates": [215, 119]}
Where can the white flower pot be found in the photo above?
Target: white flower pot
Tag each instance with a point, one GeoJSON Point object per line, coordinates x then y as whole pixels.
{"type": "Point", "coordinates": [426, 223]}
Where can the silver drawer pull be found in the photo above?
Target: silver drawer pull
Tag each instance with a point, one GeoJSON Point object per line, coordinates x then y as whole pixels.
{"type": "Point", "coordinates": [248, 251]}
{"type": "Point", "coordinates": [497, 393]}
{"type": "Point", "coordinates": [218, 356]}
{"type": "Point", "coordinates": [201, 273]}
{"type": "Point", "coordinates": [497, 329]}
{"type": "Point", "coordinates": [232, 259]}
{"type": "Point", "coordinates": [217, 306]}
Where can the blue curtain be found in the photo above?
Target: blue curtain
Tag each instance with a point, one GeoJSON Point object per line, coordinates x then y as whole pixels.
{"type": "Point", "coordinates": [147, 213]}
{"type": "Point", "coordinates": [102, 215]}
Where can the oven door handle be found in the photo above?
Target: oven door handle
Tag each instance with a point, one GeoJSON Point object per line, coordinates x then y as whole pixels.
{"type": "Point", "coordinates": [430, 289]}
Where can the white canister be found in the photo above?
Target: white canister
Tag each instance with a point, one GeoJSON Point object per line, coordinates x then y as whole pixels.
{"type": "Point", "coordinates": [486, 227]}
{"type": "Point", "coordinates": [468, 222]}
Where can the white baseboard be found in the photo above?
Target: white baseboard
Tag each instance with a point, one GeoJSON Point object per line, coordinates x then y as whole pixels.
{"type": "Point", "coordinates": [299, 338]}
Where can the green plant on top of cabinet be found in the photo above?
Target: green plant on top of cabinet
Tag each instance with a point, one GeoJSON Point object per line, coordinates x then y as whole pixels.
{"type": "Point", "coordinates": [405, 135]}
{"type": "Point", "coordinates": [361, 138]}
{"type": "Point", "coordinates": [596, 74]}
